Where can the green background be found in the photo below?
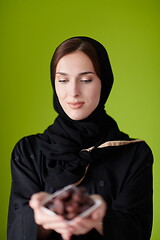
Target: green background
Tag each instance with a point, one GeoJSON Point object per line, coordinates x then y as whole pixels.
{"type": "Point", "coordinates": [30, 31]}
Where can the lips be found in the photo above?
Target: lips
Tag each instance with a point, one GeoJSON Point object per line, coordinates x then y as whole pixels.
{"type": "Point", "coordinates": [75, 105]}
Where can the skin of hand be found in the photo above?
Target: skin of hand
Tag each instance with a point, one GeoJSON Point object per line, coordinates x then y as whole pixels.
{"type": "Point", "coordinates": [56, 223]}
{"type": "Point", "coordinates": [80, 225]}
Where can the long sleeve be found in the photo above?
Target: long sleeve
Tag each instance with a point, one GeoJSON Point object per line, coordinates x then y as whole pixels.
{"type": "Point", "coordinates": [130, 214]}
{"type": "Point", "coordinates": [25, 182]}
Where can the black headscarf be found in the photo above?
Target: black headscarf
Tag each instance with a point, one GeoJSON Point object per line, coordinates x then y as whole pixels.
{"type": "Point", "coordinates": [62, 143]}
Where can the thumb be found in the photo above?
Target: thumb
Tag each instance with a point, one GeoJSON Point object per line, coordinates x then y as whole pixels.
{"type": "Point", "coordinates": [36, 199]}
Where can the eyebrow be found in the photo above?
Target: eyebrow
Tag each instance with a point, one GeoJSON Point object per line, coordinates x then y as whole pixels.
{"type": "Point", "coordinates": [84, 73]}
{"type": "Point", "coordinates": [80, 74]}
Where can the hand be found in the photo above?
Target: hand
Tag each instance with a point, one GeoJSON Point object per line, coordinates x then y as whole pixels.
{"type": "Point", "coordinates": [56, 223]}
{"type": "Point", "coordinates": [82, 225]}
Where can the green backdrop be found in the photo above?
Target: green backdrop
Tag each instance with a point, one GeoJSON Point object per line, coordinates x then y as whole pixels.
{"type": "Point", "coordinates": [30, 31]}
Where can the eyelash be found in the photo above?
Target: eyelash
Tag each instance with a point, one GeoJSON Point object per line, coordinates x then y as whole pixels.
{"type": "Point", "coordinates": [62, 80]}
{"type": "Point", "coordinates": [86, 80]}
{"type": "Point", "coordinates": [82, 80]}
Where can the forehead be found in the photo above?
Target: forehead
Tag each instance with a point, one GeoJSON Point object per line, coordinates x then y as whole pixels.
{"type": "Point", "coordinates": [75, 61]}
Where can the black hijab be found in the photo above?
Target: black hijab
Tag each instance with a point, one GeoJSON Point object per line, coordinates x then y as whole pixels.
{"type": "Point", "coordinates": [62, 143]}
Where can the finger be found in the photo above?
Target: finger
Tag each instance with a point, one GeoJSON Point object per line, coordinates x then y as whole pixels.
{"type": "Point", "coordinates": [98, 214]}
{"type": "Point", "coordinates": [37, 199]}
{"type": "Point", "coordinates": [66, 235]}
{"type": "Point", "coordinates": [101, 210]}
{"type": "Point", "coordinates": [82, 226]}
{"type": "Point", "coordinates": [41, 217]}
{"type": "Point", "coordinates": [59, 227]}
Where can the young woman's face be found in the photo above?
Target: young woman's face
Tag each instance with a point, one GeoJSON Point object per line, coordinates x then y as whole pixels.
{"type": "Point", "coordinates": [77, 85]}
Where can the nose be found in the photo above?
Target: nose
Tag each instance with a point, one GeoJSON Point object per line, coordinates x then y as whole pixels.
{"type": "Point", "coordinates": [74, 89]}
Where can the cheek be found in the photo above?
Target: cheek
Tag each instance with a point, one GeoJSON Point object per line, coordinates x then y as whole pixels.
{"type": "Point", "coordinates": [60, 92]}
{"type": "Point", "coordinates": [96, 92]}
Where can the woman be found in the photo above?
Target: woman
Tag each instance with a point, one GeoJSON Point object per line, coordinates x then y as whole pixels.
{"type": "Point", "coordinates": [85, 147]}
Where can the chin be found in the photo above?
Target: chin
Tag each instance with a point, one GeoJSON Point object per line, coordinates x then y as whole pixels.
{"type": "Point", "coordinates": [77, 117]}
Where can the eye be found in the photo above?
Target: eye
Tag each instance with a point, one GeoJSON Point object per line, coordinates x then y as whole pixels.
{"type": "Point", "coordinates": [86, 80]}
{"type": "Point", "coordinates": [62, 80]}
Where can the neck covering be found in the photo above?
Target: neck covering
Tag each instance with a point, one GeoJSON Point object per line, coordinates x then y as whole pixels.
{"type": "Point", "coordinates": [62, 143]}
